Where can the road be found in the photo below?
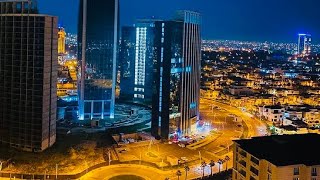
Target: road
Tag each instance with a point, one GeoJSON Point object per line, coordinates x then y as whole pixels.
{"type": "Point", "coordinates": [148, 173]}
{"type": "Point", "coordinates": [255, 126]}
{"type": "Point", "coordinates": [226, 130]}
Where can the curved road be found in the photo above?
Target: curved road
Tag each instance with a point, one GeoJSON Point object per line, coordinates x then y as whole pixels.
{"type": "Point", "coordinates": [255, 126]}
{"type": "Point", "coordinates": [230, 130]}
{"type": "Point", "coordinates": [146, 172]}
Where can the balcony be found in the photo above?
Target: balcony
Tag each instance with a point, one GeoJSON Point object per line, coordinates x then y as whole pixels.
{"type": "Point", "coordinates": [254, 171]}
{"type": "Point", "coordinates": [254, 160]}
{"type": "Point", "coordinates": [243, 173]}
{"type": "Point", "coordinates": [243, 154]}
{"type": "Point", "coordinates": [243, 163]}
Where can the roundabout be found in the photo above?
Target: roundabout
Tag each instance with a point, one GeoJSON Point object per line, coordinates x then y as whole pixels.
{"type": "Point", "coordinates": [126, 177]}
{"type": "Point", "coordinates": [126, 172]}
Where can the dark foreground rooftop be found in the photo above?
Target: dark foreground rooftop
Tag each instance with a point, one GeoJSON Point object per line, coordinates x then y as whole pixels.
{"type": "Point", "coordinates": [285, 150]}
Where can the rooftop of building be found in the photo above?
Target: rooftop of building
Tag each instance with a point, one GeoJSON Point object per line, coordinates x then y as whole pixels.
{"type": "Point", "coordinates": [301, 108]}
{"type": "Point", "coordinates": [285, 150]}
{"type": "Point", "coordinates": [273, 107]}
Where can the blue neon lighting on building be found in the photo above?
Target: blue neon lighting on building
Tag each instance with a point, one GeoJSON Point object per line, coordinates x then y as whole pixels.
{"type": "Point", "coordinates": [188, 69]}
{"type": "Point", "coordinates": [193, 105]}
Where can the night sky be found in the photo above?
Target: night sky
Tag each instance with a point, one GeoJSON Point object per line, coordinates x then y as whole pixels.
{"type": "Point", "coordinates": [259, 20]}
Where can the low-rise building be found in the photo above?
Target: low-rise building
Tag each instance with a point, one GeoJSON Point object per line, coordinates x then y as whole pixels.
{"type": "Point", "coordinates": [240, 90]}
{"type": "Point", "coordinates": [277, 158]}
{"type": "Point", "coordinates": [272, 113]}
{"type": "Point", "coordinates": [312, 117]}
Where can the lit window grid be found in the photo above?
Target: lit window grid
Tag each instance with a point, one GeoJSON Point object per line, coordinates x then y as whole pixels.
{"type": "Point", "coordinates": [140, 58]}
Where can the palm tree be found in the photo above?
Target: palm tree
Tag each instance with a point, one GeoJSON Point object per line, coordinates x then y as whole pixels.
{"type": "Point", "coordinates": [226, 160]}
{"type": "Point", "coordinates": [211, 164]}
{"type": "Point", "coordinates": [178, 174]}
{"type": "Point", "coordinates": [203, 165]}
{"type": "Point", "coordinates": [186, 169]}
{"type": "Point", "coordinates": [220, 162]}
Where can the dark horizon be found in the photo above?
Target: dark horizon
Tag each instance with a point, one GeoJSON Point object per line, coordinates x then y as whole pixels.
{"type": "Point", "coordinates": [247, 20]}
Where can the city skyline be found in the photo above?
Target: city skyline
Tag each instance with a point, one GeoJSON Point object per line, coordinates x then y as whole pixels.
{"type": "Point", "coordinates": [232, 20]}
{"type": "Point", "coordinates": [148, 98]}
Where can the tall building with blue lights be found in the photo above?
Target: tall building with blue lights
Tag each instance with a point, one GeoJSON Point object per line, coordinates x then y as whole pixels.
{"type": "Point", "coordinates": [137, 61]}
{"type": "Point", "coordinates": [176, 79]}
{"type": "Point", "coordinates": [304, 44]}
{"type": "Point", "coordinates": [97, 42]}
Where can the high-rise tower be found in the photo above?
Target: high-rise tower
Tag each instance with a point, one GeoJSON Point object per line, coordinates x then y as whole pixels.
{"type": "Point", "coordinates": [61, 41]}
{"type": "Point", "coordinates": [28, 76]}
{"type": "Point", "coordinates": [176, 88]}
{"type": "Point", "coordinates": [137, 61]}
{"type": "Point", "coordinates": [97, 41]}
{"type": "Point", "coordinates": [304, 44]}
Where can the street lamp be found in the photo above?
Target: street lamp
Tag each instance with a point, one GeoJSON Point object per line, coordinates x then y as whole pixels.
{"type": "Point", "coordinates": [109, 157]}
{"type": "Point", "coordinates": [200, 157]}
{"type": "Point", "coordinates": [56, 171]}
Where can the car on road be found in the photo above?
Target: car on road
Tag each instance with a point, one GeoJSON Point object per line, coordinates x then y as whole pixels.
{"type": "Point", "coordinates": [123, 150]}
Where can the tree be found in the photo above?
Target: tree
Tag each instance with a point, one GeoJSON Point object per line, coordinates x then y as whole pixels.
{"type": "Point", "coordinates": [186, 169]}
{"type": "Point", "coordinates": [203, 165]}
{"type": "Point", "coordinates": [220, 162]}
{"type": "Point", "coordinates": [178, 173]}
{"type": "Point", "coordinates": [211, 164]}
{"type": "Point", "coordinates": [227, 158]}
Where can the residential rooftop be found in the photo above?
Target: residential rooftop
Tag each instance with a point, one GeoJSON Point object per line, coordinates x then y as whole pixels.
{"type": "Point", "coordinates": [284, 150]}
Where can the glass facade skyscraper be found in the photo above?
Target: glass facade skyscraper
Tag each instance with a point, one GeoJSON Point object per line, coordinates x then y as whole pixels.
{"type": "Point", "coordinates": [97, 42]}
{"type": "Point", "coordinates": [137, 61]}
{"type": "Point", "coordinates": [304, 44]}
{"type": "Point", "coordinates": [28, 76]}
{"type": "Point", "coordinates": [176, 80]}
{"type": "Point", "coordinates": [127, 57]}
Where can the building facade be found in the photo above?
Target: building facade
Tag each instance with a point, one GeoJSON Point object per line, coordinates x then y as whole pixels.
{"type": "Point", "coordinates": [272, 113]}
{"type": "Point", "coordinates": [137, 57]}
{"type": "Point", "coordinates": [176, 81]}
{"type": "Point", "coordinates": [127, 62]}
{"type": "Point", "coordinates": [98, 46]}
{"type": "Point", "coordinates": [61, 41]}
{"type": "Point", "coordinates": [277, 157]}
{"type": "Point", "coordinates": [304, 44]}
{"type": "Point", "coordinates": [28, 76]}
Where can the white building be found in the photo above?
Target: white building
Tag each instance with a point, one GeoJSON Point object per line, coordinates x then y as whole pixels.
{"type": "Point", "coordinates": [272, 113]}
